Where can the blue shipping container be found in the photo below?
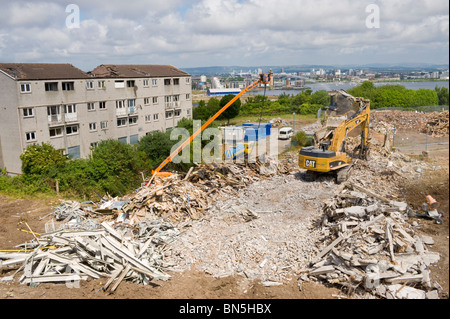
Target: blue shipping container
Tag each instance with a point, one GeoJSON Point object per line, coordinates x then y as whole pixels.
{"type": "Point", "coordinates": [267, 126]}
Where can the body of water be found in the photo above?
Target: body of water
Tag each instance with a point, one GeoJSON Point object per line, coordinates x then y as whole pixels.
{"type": "Point", "coordinates": [347, 85]}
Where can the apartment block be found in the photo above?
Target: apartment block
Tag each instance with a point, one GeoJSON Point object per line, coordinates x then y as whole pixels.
{"type": "Point", "coordinates": [74, 110]}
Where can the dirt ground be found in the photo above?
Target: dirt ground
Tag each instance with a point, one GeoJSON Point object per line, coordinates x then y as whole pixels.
{"type": "Point", "coordinates": [16, 215]}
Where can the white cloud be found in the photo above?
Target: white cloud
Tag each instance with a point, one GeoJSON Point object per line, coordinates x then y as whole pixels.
{"type": "Point", "coordinates": [217, 32]}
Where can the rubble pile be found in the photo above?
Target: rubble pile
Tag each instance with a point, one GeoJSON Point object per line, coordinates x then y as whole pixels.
{"type": "Point", "coordinates": [265, 233]}
{"type": "Point", "coordinates": [126, 238]}
{"type": "Point", "coordinates": [278, 122]}
{"type": "Point", "coordinates": [112, 250]}
{"type": "Point", "coordinates": [437, 122]}
{"type": "Point", "coordinates": [368, 245]}
{"type": "Point", "coordinates": [180, 198]}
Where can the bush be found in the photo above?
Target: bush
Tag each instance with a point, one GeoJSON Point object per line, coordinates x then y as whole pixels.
{"type": "Point", "coordinates": [41, 159]}
{"type": "Point", "coordinates": [301, 139]}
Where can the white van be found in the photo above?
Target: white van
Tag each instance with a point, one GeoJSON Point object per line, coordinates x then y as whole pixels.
{"type": "Point", "coordinates": [285, 133]}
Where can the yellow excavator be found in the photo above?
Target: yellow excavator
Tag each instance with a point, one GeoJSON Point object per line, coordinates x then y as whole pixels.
{"type": "Point", "coordinates": [331, 155]}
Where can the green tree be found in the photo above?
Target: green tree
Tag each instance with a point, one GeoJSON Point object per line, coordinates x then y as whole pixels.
{"type": "Point", "coordinates": [233, 110]}
{"type": "Point", "coordinates": [320, 97]}
{"type": "Point", "coordinates": [201, 112]}
{"type": "Point", "coordinates": [213, 106]}
{"type": "Point", "coordinates": [156, 146]}
{"type": "Point", "coordinates": [425, 97]}
{"type": "Point", "coordinates": [41, 159]}
{"type": "Point", "coordinates": [443, 95]}
{"type": "Point", "coordinates": [123, 163]}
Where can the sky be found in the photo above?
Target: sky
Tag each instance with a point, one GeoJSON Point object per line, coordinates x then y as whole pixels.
{"type": "Point", "coordinates": [197, 33]}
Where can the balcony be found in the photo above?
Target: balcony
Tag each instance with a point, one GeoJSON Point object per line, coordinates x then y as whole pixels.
{"type": "Point", "coordinates": [71, 117]}
{"type": "Point", "coordinates": [124, 111]}
{"type": "Point", "coordinates": [54, 118]}
{"type": "Point", "coordinates": [173, 104]}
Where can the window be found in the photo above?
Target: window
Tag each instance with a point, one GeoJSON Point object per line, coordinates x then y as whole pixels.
{"type": "Point", "coordinates": [169, 114]}
{"type": "Point", "coordinates": [176, 81]}
{"type": "Point", "coordinates": [132, 120]}
{"type": "Point", "coordinates": [188, 111]}
{"type": "Point", "coordinates": [132, 103]}
{"type": "Point", "coordinates": [101, 84]}
{"type": "Point", "coordinates": [120, 104]}
{"type": "Point", "coordinates": [119, 84]}
{"type": "Point", "coordinates": [155, 117]}
{"type": "Point", "coordinates": [28, 112]}
{"type": "Point", "coordinates": [121, 122]}
{"type": "Point", "coordinates": [146, 101]}
{"type": "Point", "coordinates": [146, 83]}
{"type": "Point", "coordinates": [91, 106]}
{"type": "Point", "coordinates": [188, 80]}
{"type": "Point", "coordinates": [68, 86]}
{"type": "Point", "coordinates": [148, 118]}
{"type": "Point", "coordinates": [74, 152]}
{"type": "Point", "coordinates": [31, 136]}
{"type": "Point", "coordinates": [155, 100]}
{"type": "Point", "coordinates": [134, 139]}
{"type": "Point", "coordinates": [90, 85]}
{"type": "Point", "coordinates": [55, 132]}
{"type": "Point", "coordinates": [70, 108]}
{"type": "Point", "coordinates": [130, 84]}
{"type": "Point", "coordinates": [154, 82]}
{"type": "Point", "coordinates": [188, 96]}
{"type": "Point", "coordinates": [167, 81]}
{"type": "Point", "coordinates": [92, 127]}
{"type": "Point", "coordinates": [177, 113]}
{"type": "Point", "coordinates": [51, 86]}
{"type": "Point", "coordinates": [70, 112]}
{"type": "Point", "coordinates": [54, 113]}
{"type": "Point", "coordinates": [25, 88]}
{"type": "Point", "coordinates": [94, 145]}
{"type": "Point", "coordinates": [104, 125]}
{"type": "Point", "coordinates": [70, 130]}
{"type": "Point", "coordinates": [102, 105]}
{"type": "Point", "coordinates": [123, 140]}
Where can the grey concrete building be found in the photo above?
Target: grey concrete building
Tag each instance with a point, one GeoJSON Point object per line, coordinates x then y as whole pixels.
{"type": "Point", "coordinates": [74, 110]}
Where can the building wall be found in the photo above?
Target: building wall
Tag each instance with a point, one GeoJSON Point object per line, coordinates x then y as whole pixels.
{"type": "Point", "coordinates": [39, 100]}
{"type": "Point", "coordinates": [10, 142]}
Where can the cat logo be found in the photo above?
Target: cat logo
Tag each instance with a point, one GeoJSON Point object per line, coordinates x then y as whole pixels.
{"type": "Point", "coordinates": [310, 163]}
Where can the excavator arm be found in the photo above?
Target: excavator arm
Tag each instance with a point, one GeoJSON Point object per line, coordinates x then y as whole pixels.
{"type": "Point", "coordinates": [263, 79]}
{"type": "Point", "coordinates": [331, 154]}
{"type": "Point", "coordinates": [360, 118]}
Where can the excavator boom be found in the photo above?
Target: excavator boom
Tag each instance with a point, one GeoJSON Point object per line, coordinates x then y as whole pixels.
{"type": "Point", "coordinates": [263, 79]}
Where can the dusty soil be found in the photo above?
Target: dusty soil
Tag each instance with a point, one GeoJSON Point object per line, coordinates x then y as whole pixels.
{"type": "Point", "coordinates": [195, 284]}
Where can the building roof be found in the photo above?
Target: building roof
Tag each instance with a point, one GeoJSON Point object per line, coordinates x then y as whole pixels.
{"type": "Point", "coordinates": [136, 71]}
{"type": "Point", "coordinates": [42, 71]}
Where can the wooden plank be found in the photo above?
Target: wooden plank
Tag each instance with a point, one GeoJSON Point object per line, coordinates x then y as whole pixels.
{"type": "Point", "coordinates": [113, 276]}
{"type": "Point", "coordinates": [121, 277]}
{"type": "Point", "coordinates": [390, 241]}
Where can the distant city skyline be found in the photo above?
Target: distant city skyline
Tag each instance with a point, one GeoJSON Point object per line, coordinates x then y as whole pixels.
{"type": "Point", "coordinates": [200, 33]}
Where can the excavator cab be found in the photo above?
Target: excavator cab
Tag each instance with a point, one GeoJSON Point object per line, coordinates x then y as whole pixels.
{"type": "Point", "coordinates": [330, 156]}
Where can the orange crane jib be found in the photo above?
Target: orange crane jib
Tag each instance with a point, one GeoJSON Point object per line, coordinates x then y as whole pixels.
{"type": "Point", "coordinates": [263, 79]}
